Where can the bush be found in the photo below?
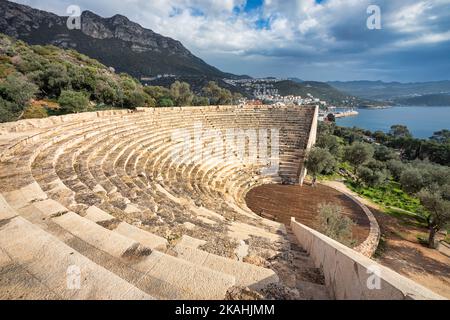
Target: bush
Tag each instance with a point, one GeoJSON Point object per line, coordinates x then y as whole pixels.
{"type": "Point", "coordinates": [396, 167]}
{"type": "Point", "coordinates": [334, 224]}
{"type": "Point", "coordinates": [200, 101]}
{"type": "Point", "coordinates": [357, 154]}
{"type": "Point", "coordinates": [134, 99]}
{"type": "Point", "coordinates": [17, 89]}
{"type": "Point", "coordinates": [319, 161]}
{"type": "Point", "coordinates": [329, 142]}
{"type": "Point", "coordinates": [372, 177]}
{"type": "Point", "coordinates": [35, 112]}
{"type": "Point", "coordinates": [73, 102]}
{"type": "Point", "coordinates": [411, 180]}
{"type": "Point", "coordinates": [165, 102]}
{"type": "Point", "coordinates": [8, 111]}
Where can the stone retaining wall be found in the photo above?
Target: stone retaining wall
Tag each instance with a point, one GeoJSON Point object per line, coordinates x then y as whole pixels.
{"type": "Point", "coordinates": [311, 142]}
{"type": "Point", "coordinates": [352, 276]}
{"type": "Point", "coordinates": [370, 245]}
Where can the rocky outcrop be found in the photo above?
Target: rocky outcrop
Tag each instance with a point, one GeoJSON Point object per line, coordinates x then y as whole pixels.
{"type": "Point", "coordinates": [114, 41]}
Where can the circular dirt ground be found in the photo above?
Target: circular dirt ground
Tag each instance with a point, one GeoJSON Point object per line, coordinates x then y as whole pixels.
{"type": "Point", "coordinates": [281, 202]}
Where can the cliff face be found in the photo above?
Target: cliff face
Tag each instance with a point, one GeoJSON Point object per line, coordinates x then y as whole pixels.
{"type": "Point", "coordinates": [115, 41]}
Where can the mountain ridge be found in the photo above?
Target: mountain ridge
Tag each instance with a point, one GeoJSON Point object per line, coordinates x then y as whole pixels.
{"type": "Point", "coordinates": [380, 90]}
{"type": "Point", "coordinates": [115, 41]}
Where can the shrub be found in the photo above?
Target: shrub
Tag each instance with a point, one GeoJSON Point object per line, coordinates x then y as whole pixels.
{"type": "Point", "coordinates": [200, 101]}
{"type": "Point", "coordinates": [17, 89]}
{"type": "Point", "coordinates": [34, 112]}
{"type": "Point", "coordinates": [134, 99]}
{"type": "Point", "coordinates": [319, 161]}
{"type": "Point", "coordinates": [334, 224]}
{"type": "Point", "coordinates": [411, 180]}
{"type": "Point", "coordinates": [165, 102]}
{"type": "Point", "coordinates": [357, 154]}
{"type": "Point", "coordinates": [329, 142]}
{"type": "Point", "coordinates": [396, 167]}
{"type": "Point", "coordinates": [372, 177]}
{"type": "Point", "coordinates": [8, 111]}
{"type": "Point", "coordinates": [73, 102]}
{"type": "Point", "coordinates": [181, 93]}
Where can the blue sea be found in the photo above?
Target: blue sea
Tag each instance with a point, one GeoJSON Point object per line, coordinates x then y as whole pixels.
{"type": "Point", "coordinates": [421, 121]}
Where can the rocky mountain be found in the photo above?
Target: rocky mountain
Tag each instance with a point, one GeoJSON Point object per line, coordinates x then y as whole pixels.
{"type": "Point", "coordinates": [115, 41]}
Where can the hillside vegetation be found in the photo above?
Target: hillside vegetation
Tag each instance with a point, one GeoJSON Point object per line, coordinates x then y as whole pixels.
{"type": "Point", "coordinates": [404, 175]}
{"type": "Point", "coordinates": [37, 81]}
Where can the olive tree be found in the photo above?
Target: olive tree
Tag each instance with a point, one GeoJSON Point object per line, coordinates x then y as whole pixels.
{"type": "Point", "coordinates": [319, 161]}
{"type": "Point", "coordinates": [437, 202]}
{"type": "Point", "coordinates": [72, 101]}
{"type": "Point", "coordinates": [357, 154]}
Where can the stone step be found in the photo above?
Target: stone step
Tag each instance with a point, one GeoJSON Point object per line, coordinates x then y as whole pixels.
{"type": "Point", "coordinates": [103, 239]}
{"type": "Point", "coordinates": [163, 276]}
{"type": "Point", "coordinates": [170, 277]}
{"type": "Point", "coordinates": [247, 275]}
{"type": "Point", "coordinates": [35, 264]}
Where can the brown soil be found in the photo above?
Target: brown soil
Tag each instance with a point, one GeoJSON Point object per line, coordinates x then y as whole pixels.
{"type": "Point", "coordinates": [401, 251]}
{"type": "Point", "coordinates": [281, 202]}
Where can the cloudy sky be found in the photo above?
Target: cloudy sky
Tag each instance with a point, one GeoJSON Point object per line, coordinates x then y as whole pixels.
{"type": "Point", "coordinates": [310, 39]}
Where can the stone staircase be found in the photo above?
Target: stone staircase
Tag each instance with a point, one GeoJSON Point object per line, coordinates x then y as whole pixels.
{"type": "Point", "coordinates": [113, 197]}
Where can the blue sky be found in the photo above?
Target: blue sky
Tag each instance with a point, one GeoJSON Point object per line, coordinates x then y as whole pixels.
{"type": "Point", "coordinates": [310, 39]}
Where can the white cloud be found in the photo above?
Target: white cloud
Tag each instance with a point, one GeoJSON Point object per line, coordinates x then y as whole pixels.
{"type": "Point", "coordinates": [281, 28]}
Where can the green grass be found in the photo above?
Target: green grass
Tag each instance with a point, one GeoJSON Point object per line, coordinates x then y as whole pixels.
{"type": "Point", "coordinates": [394, 202]}
{"type": "Point", "coordinates": [390, 196]}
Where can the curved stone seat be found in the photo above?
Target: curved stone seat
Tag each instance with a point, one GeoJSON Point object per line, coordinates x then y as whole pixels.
{"type": "Point", "coordinates": [117, 190]}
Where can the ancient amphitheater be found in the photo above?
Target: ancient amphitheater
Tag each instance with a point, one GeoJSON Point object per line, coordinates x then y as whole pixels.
{"type": "Point", "coordinates": [111, 205]}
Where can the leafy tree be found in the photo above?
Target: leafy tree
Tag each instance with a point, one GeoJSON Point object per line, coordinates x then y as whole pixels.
{"type": "Point", "coordinates": [319, 161]}
{"type": "Point", "coordinates": [372, 177]}
{"type": "Point", "coordinates": [104, 93]}
{"type": "Point", "coordinates": [396, 167]}
{"type": "Point", "coordinates": [331, 117]}
{"type": "Point", "coordinates": [437, 202]}
{"type": "Point", "coordinates": [331, 143]}
{"type": "Point", "coordinates": [52, 79]}
{"type": "Point", "coordinates": [442, 136]}
{"type": "Point", "coordinates": [17, 89]}
{"type": "Point", "coordinates": [400, 131]}
{"type": "Point", "coordinates": [380, 136]}
{"type": "Point", "coordinates": [15, 94]}
{"type": "Point", "coordinates": [357, 154]}
{"type": "Point", "coordinates": [157, 92]}
{"type": "Point", "coordinates": [411, 180]}
{"type": "Point", "coordinates": [200, 101]}
{"type": "Point", "coordinates": [383, 153]}
{"type": "Point", "coordinates": [73, 102]}
{"type": "Point", "coordinates": [181, 93]}
{"type": "Point", "coordinates": [8, 111]}
{"type": "Point", "coordinates": [165, 102]}
{"type": "Point", "coordinates": [334, 224]}
{"type": "Point", "coordinates": [134, 99]}
{"type": "Point", "coordinates": [217, 95]}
